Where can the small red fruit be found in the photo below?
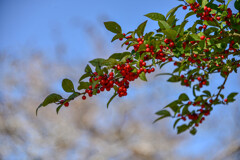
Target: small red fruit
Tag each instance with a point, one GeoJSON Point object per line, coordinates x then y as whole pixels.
{"type": "Point", "coordinates": [84, 97]}
{"type": "Point", "coordinates": [202, 37]}
{"type": "Point", "coordinates": [225, 100]}
{"type": "Point", "coordinates": [66, 104]}
{"type": "Point", "coordinates": [184, 7]}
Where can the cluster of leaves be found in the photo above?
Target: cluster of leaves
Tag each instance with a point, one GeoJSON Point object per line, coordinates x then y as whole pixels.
{"type": "Point", "coordinates": [210, 46]}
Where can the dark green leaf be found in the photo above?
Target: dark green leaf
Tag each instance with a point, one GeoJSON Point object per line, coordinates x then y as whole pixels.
{"type": "Point", "coordinates": [237, 5]}
{"type": "Point", "coordinates": [115, 94]}
{"type": "Point", "coordinates": [38, 108]}
{"type": "Point", "coordinates": [67, 85]}
{"type": "Point", "coordinates": [159, 118]}
{"type": "Point", "coordinates": [52, 98]}
{"type": "Point", "coordinates": [58, 108]}
{"type": "Point", "coordinates": [174, 79]}
{"type": "Point", "coordinates": [88, 69]}
{"type": "Point", "coordinates": [183, 97]}
{"type": "Point", "coordinates": [117, 36]}
{"type": "Point", "coordinates": [141, 28]}
{"type": "Point", "coordinates": [155, 16]}
{"type": "Point", "coordinates": [185, 110]}
{"type": "Point", "coordinates": [113, 27]}
{"type": "Point", "coordinates": [175, 123]}
{"type": "Point", "coordinates": [163, 113]}
{"type": "Point", "coordinates": [193, 131]}
{"type": "Point", "coordinates": [182, 128]}
{"type": "Point", "coordinates": [207, 93]}
{"type": "Point", "coordinates": [231, 96]}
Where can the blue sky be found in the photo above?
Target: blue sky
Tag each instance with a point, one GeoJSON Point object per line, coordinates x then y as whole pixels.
{"type": "Point", "coordinates": [47, 23]}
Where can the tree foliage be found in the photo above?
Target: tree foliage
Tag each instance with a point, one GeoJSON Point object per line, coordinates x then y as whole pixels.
{"type": "Point", "coordinates": [210, 45]}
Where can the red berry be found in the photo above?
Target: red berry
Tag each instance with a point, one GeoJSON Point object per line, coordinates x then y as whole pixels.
{"type": "Point", "coordinates": [199, 78]}
{"type": "Point", "coordinates": [166, 41]}
{"type": "Point", "coordinates": [202, 37]}
{"type": "Point", "coordinates": [171, 44]}
{"type": "Point", "coordinates": [84, 97]}
{"type": "Point", "coordinates": [184, 7]}
{"type": "Point", "coordinates": [225, 100]}
{"type": "Point", "coordinates": [66, 104]}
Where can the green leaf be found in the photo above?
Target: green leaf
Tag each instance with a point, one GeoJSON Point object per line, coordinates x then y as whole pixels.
{"type": "Point", "coordinates": [182, 128]}
{"type": "Point", "coordinates": [67, 85]}
{"type": "Point", "coordinates": [163, 25]}
{"type": "Point", "coordinates": [110, 62]}
{"type": "Point", "coordinates": [237, 5]}
{"type": "Point", "coordinates": [231, 96]}
{"type": "Point", "coordinates": [113, 27]}
{"type": "Point", "coordinates": [84, 76]}
{"type": "Point", "coordinates": [155, 16]}
{"type": "Point", "coordinates": [174, 79]}
{"type": "Point", "coordinates": [207, 93]}
{"type": "Point", "coordinates": [181, 28]}
{"type": "Point", "coordinates": [183, 97]}
{"type": "Point", "coordinates": [83, 85]}
{"type": "Point", "coordinates": [159, 118]}
{"type": "Point", "coordinates": [148, 35]}
{"type": "Point", "coordinates": [175, 123]}
{"type": "Point", "coordinates": [114, 95]}
{"type": "Point", "coordinates": [119, 56]}
{"type": "Point", "coordinates": [193, 131]}
{"type": "Point", "coordinates": [52, 98]}
{"type": "Point", "coordinates": [163, 113]}
{"type": "Point", "coordinates": [204, 2]}
{"type": "Point", "coordinates": [170, 33]}
{"type": "Point", "coordinates": [173, 10]}
{"type": "Point", "coordinates": [171, 20]}
{"type": "Point", "coordinates": [88, 69]}
{"type": "Point", "coordinates": [38, 108]}
{"type": "Point", "coordinates": [189, 14]}
{"type": "Point", "coordinates": [141, 28]}
{"type": "Point", "coordinates": [117, 36]}
{"type": "Point", "coordinates": [58, 108]}
{"type": "Point", "coordinates": [185, 110]}
{"type": "Point", "coordinates": [97, 62]}
{"type": "Point", "coordinates": [142, 76]}
{"type": "Point", "coordinates": [195, 37]}
{"type": "Point", "coordinates": [174, 105]}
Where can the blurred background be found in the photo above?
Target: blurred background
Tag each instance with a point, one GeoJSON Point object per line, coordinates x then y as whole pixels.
{"type": "Point", "coordinates": [43, 42]}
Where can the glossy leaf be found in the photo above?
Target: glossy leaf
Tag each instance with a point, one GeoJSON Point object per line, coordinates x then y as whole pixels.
{"type": "Point", "coordinates": [113, 27]}
{"type": "Point", "coordinates": [67, 85]}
